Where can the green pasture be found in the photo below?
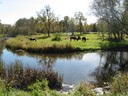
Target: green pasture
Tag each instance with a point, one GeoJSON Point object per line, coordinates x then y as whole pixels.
{"type": "Point", "coordinates": [46, 44]}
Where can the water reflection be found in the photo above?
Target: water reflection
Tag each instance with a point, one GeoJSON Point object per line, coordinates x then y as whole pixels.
{"type": "Point", "coordinates": [114, 61]}
{"type": "Point", "coordinates": [76, 67]}
{"type": "Point", "coordinates": [1, 48]}
{"type": "Point", "coordinates": [47, 62]}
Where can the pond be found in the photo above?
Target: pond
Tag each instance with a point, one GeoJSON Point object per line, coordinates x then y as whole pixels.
{"type": "Point", "coordinates": [75, 67]}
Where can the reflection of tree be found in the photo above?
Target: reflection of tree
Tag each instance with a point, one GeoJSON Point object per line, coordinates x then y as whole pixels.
{"type": "Point", "coordinates": [68, 56]}
{"type": "Point", "coordinates": [123, 61]}
{"type": "Point", "coordinates": [17, 52]}
{"type": "Point", "coordinates": [114, 61]}
{"type": "Point", "coordinates": [48, 60]}
{"type": "Point", "coordinates": [1, 48]}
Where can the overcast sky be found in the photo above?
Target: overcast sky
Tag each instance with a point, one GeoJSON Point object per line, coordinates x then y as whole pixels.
{"type": "Point", "coordinates": [12, 10]}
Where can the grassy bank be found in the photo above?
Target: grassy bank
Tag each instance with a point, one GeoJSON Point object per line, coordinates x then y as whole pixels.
{"type": "Point", "coordinates": [49, 45]}
{"type": "Point", "coordinates": [118, 87]}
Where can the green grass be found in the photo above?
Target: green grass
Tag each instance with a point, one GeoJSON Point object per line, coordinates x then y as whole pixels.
{"type": "Point", "coordinates": [39, 88]}
{"type": "Point", "coordinates": [55, 44]}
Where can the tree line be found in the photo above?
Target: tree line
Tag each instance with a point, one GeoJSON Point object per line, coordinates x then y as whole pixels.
{"type": "Point", "coordinates": [112, 19]}
{"type": "Point", "coordinates": [46, 23]}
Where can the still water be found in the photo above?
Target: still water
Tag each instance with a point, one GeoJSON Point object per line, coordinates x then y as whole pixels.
{"type": "Point", "coordinates": [76, 67]}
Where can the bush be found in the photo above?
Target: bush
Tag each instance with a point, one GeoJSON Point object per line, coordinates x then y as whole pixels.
{"type": "Point", "coordinates": [120, 84]}
{"type": "Point", "coordinates": [57, 37]}
{"type": "Point", "coordinates": [19, 77]}
{"type": "Point", "coordinates": [84, 90]}
{"type": "Point", "coordinates": [39, 88]}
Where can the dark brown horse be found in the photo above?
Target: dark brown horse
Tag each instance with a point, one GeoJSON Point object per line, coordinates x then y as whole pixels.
{"type": "Point", "coordinates": [84, 39]}
{"type": "Point", "coordinates": [74, 38]}
{"type": "Point", "coordinates": [78, 38]}
{"type": "Point", "coordinates": [32, 39]}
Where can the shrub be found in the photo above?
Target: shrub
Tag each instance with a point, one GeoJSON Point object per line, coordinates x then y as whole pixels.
{"type": "Point", "coordinates": [39, 86]}
{"type": "Point", "coordinates": [19, 77]}
{"type": "Point", "coordinates": [84, 90]}
{"type": "Point", "coordinates": [120, 84]}
{"type": "Point", "coordinates": [57, 37]}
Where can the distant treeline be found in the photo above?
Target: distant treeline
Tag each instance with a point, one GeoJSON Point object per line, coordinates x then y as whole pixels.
{"type": "Point", "coordinates": [46, 22]}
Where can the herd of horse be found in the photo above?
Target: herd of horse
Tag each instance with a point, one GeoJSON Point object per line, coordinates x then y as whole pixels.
{"type": "Point", "coordinates": [78, 38]}
{"type": "Point", "coordinates": [71, 38]}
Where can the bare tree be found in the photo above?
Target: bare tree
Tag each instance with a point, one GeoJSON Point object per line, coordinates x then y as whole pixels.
{"type": "Point", "coordinates": [46, 18]}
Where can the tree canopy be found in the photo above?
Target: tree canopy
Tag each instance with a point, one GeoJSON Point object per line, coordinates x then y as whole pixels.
{"type": "Point", "coordinates": [115, 14]}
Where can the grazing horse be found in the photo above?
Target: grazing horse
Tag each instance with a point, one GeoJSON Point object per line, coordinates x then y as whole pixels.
{"type": "Point", "coordinates": [74, 38]}
{"type": "Point", "coordinates": [78, 38]}
{"type": "Point", "coordinates": [32, 39]}
{"type": "Point", "coordinates": [84, 39]}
